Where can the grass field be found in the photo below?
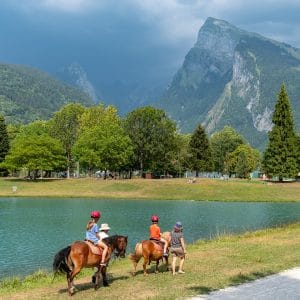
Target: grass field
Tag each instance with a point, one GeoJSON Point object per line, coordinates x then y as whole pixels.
{"type": "Point", "coordinates": [172, 189]}
{"type": "Point", "coordinates": [210, 265]}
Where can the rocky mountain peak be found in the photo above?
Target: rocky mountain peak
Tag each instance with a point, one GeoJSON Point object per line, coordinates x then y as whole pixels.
{"type": "Point", "coordinates": [219, 38]}
{"type": "Point", "coordinates": [232, 77]}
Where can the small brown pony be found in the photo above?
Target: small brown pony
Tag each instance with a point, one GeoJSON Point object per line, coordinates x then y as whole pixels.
{"type": "Point", "coordinates": [150, 251]}
{"type": "Point", "coordinates": [78, 255]}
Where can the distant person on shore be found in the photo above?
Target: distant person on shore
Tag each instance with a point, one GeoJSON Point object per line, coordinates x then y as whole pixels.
{"type": "Point", "coordinates": [155, 233]}
{"type": "Point", "coordinates": [177, 248]}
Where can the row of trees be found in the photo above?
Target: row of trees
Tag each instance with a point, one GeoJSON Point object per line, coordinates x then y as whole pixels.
{"type": "Point", "coordinates": [79, 139]}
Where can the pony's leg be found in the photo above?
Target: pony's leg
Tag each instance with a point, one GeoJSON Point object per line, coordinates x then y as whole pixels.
{"type": "Point", "coordinates": [71, 288]}
{"type": "Point", "coordinates": [104, 277]}
{"type": "Point", "coordinates": [134, 268]}
{"type": "Point", "coordinates": [167, 263]}
{"type": "Point", "coordinates": [97, 281]}
{"type": "Point", "coordinates": [71, 277]}
{"type": "Point", "coordinates": [156, 267]}
{"type": "Point", "coordinates": [146, 261]}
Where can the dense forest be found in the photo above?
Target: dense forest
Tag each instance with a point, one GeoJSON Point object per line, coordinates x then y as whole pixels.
{"type": "Point", "coordinates": [27, 94]}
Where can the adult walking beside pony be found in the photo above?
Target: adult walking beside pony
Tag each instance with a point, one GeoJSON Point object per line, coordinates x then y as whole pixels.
{"type": "Point", "coordinates": [177, 248]}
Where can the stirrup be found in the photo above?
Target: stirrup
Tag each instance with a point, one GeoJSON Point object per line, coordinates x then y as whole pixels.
{"type": "Point", "coordinates": [102, 264]}
{"type": "Point", "coordinates": [165, 254]}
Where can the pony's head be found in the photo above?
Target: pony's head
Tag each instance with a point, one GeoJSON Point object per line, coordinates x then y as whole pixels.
{"type": "Point", "coordinates": [118, 244]}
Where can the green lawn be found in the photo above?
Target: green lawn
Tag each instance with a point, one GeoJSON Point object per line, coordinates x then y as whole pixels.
{"type": "Point", "coordinates": [172, 189]}
{"type": "Point", "coordinates": [210, 265]}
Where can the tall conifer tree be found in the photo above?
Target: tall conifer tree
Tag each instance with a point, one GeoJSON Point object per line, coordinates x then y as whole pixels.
{"type": "Point", "coordinates": [4, 143]}
{"type": "Point", "coordinates": [200, 151]}
{"type": "Point", "coordinates": [280, 157]}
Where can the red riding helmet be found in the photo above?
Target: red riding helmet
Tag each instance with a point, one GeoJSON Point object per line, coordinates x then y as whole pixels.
{"type": "Point", "coordinates": [95, 214]}
{"type": "Point", "coordinates": [154, 218]}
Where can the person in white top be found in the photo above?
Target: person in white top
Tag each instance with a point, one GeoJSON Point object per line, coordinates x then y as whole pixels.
{"type": "Point", "coordinates": [103, 233]}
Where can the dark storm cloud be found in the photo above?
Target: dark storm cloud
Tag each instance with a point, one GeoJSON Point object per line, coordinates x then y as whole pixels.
{"type": "Point", "coordinates": [128, 39]}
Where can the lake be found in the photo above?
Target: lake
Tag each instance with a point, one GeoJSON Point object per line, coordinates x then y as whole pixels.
{"type": "Point", "coordinates": [32, 230]}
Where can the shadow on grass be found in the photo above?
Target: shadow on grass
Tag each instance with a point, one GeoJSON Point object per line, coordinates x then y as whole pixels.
{"type": "Point", "coordinates": [233, 281]}
{"type": "Point", "coordinates": [151, 269]}
{"type": "Point", "coordinates": [197, 290]}
{"type": "Point", "coordinates": [242, 278]}
{"type": "Point", "coordinates": [80, 287]}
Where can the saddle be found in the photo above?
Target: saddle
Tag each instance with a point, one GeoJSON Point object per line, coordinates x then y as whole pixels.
{"type": "Point", "coordinates": [159, 243]}
{"type": "Point", "coordinates": [94, 249]}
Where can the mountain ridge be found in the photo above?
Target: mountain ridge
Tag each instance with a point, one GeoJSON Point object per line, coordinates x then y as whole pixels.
{"type": "Point", "coordinates": [28, 94]}
{"type": "Point", "coordinates": [232, 77]}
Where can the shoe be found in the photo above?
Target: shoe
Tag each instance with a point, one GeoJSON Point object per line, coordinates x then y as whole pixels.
{"type": "Point", "coordinates": [103, 264]}
{"type": "Point", "coordinates": [165, 254]}
{"type": "Point", "coordinates": [181, 272]}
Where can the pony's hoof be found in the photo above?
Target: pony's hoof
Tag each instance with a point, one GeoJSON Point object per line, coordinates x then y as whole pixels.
{"type": "Point", "coordinates": [94, 279]}
{"type": "Point", "coordinates": [146, 274]}
{"type": "Point", "coordinates": [96, 287]}
{"type": "Point", "coordinates": [132, 273]}
{"type": "Point", "coordinates": [72, 291]}
{"type": "Point", "coordinates": [105, 283]}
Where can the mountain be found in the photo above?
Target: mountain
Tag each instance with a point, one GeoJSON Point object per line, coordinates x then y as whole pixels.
{"type": "Point", "coordinates": [75, 75]}
{"type": "Point", "coordinates": [27, 94]}
{"type": "Point", "coordinates": [232, 77]}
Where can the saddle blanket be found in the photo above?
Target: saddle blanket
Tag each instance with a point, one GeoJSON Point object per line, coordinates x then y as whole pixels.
{"type": "Point", "coordinates": [94, 249]}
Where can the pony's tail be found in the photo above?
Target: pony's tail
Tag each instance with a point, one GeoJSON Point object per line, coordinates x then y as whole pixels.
{"type": "Point", "coordinates": [60, 263]}
{"type": "Point", "coordinates": [136, 256]}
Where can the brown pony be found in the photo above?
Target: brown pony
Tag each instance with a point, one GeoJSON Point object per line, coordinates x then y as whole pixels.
{"type": "Point", "coordinates": [150, 251]}
{"type": "Point", "coordinates": [78, 255]}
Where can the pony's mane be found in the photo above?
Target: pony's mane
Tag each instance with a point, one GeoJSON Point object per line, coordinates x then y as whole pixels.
{"type": "Point", "coordinates": [110, 239]}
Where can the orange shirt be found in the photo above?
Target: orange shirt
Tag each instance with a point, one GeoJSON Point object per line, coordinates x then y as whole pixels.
{"type": "Point", "coordinates": [154, 232]}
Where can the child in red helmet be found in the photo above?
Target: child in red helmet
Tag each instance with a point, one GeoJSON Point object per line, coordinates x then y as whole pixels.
{"type": "Point", "coordinates": [92, 234]}
{"type": "Point", "coordinates": [155, 233]}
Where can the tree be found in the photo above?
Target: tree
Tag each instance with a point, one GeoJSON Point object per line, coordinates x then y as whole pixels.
{"type": "Point", "coordinates": [180, 158]}
{"type": "Point", "coordinates": [4, 143]}
{"type": "Point", "coordinates": [153, 138]}
{"type": "Point", "coordinates": [200, 151]}
{"type": "Point", "coordinates": [35, 152]}
{"type": "Point", "coordinates": [103, 144]}
{"type": "Point", "coordinates": [65, 127]}
{"type": "Point", "coordinates": [223, 143]}
{"type": "Point", "coordinates": [280, 156]}
{"type": "Point", "coordinates": [242, 161]}
{"type": "Point", "coordinates": [298, 155]}
{"type": "Point", "coordinates": [98, 114]}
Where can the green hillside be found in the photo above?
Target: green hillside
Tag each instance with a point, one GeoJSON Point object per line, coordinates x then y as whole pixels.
{"type": "Point", "coordinates": [27, 94]}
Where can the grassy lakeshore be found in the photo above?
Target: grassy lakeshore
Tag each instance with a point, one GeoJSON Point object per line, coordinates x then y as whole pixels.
{"type": "Point", "coordinates": [210, 265]}
{"type": "Point", "coordinates": [171, 189]}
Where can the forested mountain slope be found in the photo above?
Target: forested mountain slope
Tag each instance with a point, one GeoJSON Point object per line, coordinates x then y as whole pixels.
{"type": "Point", "coordinates": [27, 94]}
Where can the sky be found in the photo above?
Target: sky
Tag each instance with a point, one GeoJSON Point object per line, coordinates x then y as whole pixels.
{"type": "Point", "coordinates": [129, 40]}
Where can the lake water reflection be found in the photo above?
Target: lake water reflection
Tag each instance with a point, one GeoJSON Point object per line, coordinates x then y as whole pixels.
{"type": "Point", "coordinates": [32, 230]}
